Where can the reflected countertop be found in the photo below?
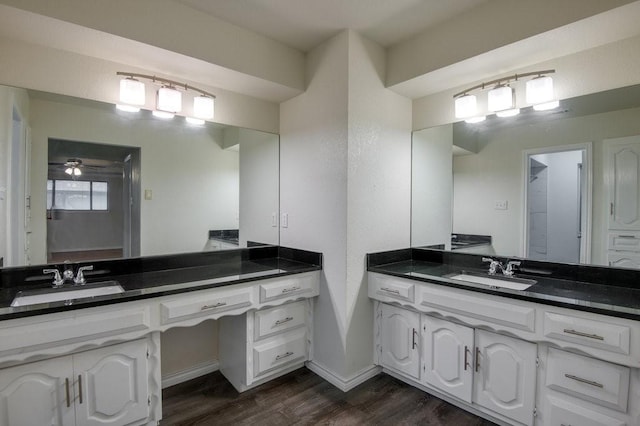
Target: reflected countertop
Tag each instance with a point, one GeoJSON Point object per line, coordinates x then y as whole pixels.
{"type": "Point", "coordinates": [156, 276]}
{"type": "Point", "coordinates": [614, 292]}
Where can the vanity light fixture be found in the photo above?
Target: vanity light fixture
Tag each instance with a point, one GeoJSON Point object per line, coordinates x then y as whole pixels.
{"type": "Point", "coordinates": [501, 98]}
{"type": "Point", "coordinates": [132, 95]}
{"type": "Point", "coordinates": [169, 96]}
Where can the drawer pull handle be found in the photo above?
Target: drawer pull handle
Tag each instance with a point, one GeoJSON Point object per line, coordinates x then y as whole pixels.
{"type": "Point", "coordinates": [626, 236]}
{"type": "Point", "coordinates": [289, 290]}
{"type": "Point", "coordinates": [66, 389]}
{"type": "Point", "coordinates": [581, 334]}
{"type": "Point", "coordinates": [390, 290]}
{"type": "Point", "coordinates": [581, 380]}
{"type": "Point", "coordinates": [80, 387]}
{"type": "Point", "coordinates": [217, 305]}
{"type": "Point", "coordinates": [284, 355]}
{"type": "Point", "coordinates": [282, 321]}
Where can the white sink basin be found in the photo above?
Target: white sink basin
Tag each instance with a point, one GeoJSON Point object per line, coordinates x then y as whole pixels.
{"type": "Point", "coordinates": [34, 297]}
{"type": "Point", "coordinates": [512, 283]}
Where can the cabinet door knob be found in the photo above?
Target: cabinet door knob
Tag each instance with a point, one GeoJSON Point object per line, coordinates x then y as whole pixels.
{"type": "Point", "coordinates": [466, 358]}
{"type": "Point", "coordinates": [477, 359]}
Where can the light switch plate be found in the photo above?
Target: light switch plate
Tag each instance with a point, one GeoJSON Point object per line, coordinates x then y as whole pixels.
{"type": "Point", "coordinates": [501, 205]}
{"type": "Point", "coordinates": [285, 220]}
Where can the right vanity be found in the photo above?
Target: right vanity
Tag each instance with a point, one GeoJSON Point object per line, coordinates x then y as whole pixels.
{"type": "Point", "coordinates": [563, 351]}
{"type": "Point", "coordinates": [519, 299]}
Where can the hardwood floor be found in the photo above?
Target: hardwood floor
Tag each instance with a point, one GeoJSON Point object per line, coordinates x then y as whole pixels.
{"type": "Point", "coordinates": [303, 398]}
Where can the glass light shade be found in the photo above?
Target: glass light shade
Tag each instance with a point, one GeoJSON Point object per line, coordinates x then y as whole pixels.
{"type": "Point", "coordinates": [474, 120]}
{"type": "Point", "coordinates": [132, 91]}
{"type": "Point", "coordinates": [169, 100]}
{"type": "Point", "coordinates": [76, 171]}
{"type": "Point", "coordinates": [508, 112]}
{"type": "Point", "coordinates": [203, 107]}
{"type": "Point", "coordinates": [163, 114]}
{"type": "Point", "coordinates": [195, 121]}
{"type": "Point", "coordinates": [68, 171]}
{"type": "Point", "coordinates": [539, 90]}
{"type": "Point", "coordinates": [501, 98]}
{"type": "Point", "coordinates": [546, 106]}
{"type": "Point", "coordinates": [466, 106]}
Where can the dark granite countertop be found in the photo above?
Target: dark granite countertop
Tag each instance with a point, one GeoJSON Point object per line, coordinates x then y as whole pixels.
{"type": "Point", "coordinates": [155, 276]}
{"type": "Point", "coordinates": [608, 291]}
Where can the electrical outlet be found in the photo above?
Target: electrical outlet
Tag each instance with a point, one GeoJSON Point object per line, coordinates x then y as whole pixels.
{"type": "Point", "coordinates": [501, 205]}
{"type": "Point", "coordinates": [274, 219]}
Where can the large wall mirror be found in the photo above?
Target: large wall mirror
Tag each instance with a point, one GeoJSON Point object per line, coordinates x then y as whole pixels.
{"type": "Point", "coordinates": [80, 180]}
{"type": "Point", "coordinates": [560, 185]}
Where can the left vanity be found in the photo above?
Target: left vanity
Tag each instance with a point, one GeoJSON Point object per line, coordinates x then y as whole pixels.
{"type": "Point", "coordinates": [96, 360]}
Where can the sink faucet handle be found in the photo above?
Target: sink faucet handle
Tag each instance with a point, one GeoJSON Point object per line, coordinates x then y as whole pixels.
{"type": "Point", "coordinates": [80, 279]}
{"type": "Point", "coordinates": [57, 278]}
{"type": "Point", "coordinates": [511, 265]}
{"type": "Point", "coordinates": [494, 265]}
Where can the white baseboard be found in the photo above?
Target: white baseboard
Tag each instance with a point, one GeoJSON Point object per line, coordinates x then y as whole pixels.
{"type": "Point", "coordinates": [190, 373]}
{"type": "Point", "coordinates": [344, 384]}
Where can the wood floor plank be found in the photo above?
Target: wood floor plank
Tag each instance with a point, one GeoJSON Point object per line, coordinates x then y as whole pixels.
{"type": "Point", "coordinates": [302, 398]}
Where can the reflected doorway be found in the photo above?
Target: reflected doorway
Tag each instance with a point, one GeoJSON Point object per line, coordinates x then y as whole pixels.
{"type": "Point", "coordinates": [93, 201]}
{"type": "Point", "coordinates": [557, 204]}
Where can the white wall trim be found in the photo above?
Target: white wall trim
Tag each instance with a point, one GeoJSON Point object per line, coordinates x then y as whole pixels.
{"type": "Point", "coordinates": [344, 384]}
{"type": "Point", "coordinates": [190, 373]}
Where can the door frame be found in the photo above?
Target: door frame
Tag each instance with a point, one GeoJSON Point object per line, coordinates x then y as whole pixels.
{"type": "Point", "coordinates": [587, 201]}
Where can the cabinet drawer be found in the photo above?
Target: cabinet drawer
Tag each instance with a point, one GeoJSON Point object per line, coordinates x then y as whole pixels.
{"type": "Point", "coordinates": [587, 378]}
{"type": "Point", "coordinates": [204, 305]}
{"type": "Point", "coordinates": [489, 309]}
{"type": "Point", "coordinates": [586, 332]}
{"type": "Point", "coordinates": [279, 319]}
{"type": "Point", "coordinates": [561, 412]}
{"type": "Point", "coordinates": [392, 288]}
{"type": "Point", "coordinates": [298, 285]}
{"type": "Point", "coordinates": [625, 241]}
{"type": "Point", "coordinates": [279, 352]}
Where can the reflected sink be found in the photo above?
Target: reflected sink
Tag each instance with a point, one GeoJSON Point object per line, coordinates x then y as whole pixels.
{"type": "Point", "coordinates": [33, 297]}
{"type": "Point", "coordinates": [495, 281]}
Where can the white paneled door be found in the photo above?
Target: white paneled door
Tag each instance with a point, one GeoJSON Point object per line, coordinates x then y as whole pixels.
{"type": "Point", "coordinates": [400, 335]}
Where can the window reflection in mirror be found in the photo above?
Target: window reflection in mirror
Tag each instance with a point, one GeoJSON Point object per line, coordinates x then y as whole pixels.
{"type": "Point", "coordinates": [488, 171]}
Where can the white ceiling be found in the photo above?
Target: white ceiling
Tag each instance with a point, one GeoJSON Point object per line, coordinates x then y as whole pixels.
{"type": "Point", "coordinates": [304, 24]}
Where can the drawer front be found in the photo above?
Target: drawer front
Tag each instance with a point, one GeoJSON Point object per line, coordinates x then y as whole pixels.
{"type": "Point", "coordinates": [587, 378]}
{"type": "Point", "coordinates": [279, 352]}
{"type": "Point", "coordinates": [205, 305]}
{"type": "Point", "coordinates": [71, 327]}
{"type": "Point", "coordinates": [625, 241]}
{"type": "Point", "coordinates": [392, 288]}
{"type": "Point", "coordinates": [279, 319]}
{"type": "Point", "coordinates": [489, 309]}
{"type": "Point", "coordinates": [586, 332]}
{"type": "Point", "coordinates": [563, 413]}
{"type": "Point", "coordinates": [298, 285]}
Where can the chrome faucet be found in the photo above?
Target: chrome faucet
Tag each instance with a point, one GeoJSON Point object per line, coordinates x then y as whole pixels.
{"type": "Point", "coordinates": [67, 275]}
{"type": "Point", "coordinates": [495, 265]}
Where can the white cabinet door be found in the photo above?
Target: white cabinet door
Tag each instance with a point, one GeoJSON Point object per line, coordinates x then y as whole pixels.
{"type": "Point", "coordinates": [112, 384]}
{"type": "Point", "coordinates": [505, 379]}
{"type": "Point", "coordinates": [38, 393]}
{"type": "Point", "coordinates": [447, 357]}
{"type": "Point", "coordinates": [623, 182]}
{"type": "Point", "coordinates": [399, 338]}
